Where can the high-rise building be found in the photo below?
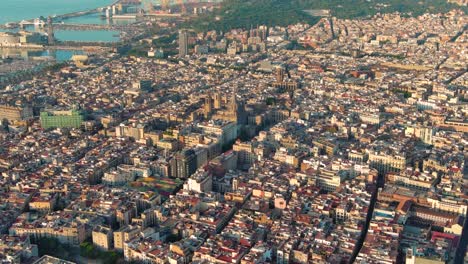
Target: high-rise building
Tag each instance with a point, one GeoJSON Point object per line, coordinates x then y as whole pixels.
{"type": "Point", "coordinates": [183, 43]}
{"type": "Point", "coordinates": [183, 164]}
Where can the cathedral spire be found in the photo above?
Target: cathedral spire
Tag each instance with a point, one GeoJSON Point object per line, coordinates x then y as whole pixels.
{"type": "Point", "coordinates": [233, 103]}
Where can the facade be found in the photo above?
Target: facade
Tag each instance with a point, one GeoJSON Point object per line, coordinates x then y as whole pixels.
{"type": "Point", "coordinates": [183, 164]}
{"type": "Point", "coordinates": [201, 154]}
{"type": "Point", "coordinates": [424, 133]}
{"type": "Point", "coordinates": [328, 180]}
{"type": "Point", "coordinates": [371, 118]}
{"type": "Point", "coordinates": [417, 180]}
{"type": "Point", "coordinates": [72, 233]}
{"type": "Point", "coordinates": [7, 38]}
{"type": "Point", "coordinates": [201, 49]}
{"type": "Point", "coordinates": [448, 205]}
{"type": "Point", "coordinates": [458, 125]}
{"type": "Point", "coordinates": [136, 131]}
{"type": "Point", "coordinates": [123, 235]}
{"type": "Point", "coordinates": [43, 203]}
{"type": "Point", "coordinates": [200, 182]}
{"type": "Point", "coordinates": [103, 237]}
{"type": "Point", "coordinates": [226, 130]}
{"type": "Point", "coordinates": [385, 163]}
{"type": "Point", "coordinates": [15, 113]}
{"type": "Point", "coordinates": [245, 151]}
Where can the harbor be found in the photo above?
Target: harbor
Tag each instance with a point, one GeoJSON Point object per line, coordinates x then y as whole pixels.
{"type": "Point", "coordinates": [113, 21]}
{"type": "Point", "coordinates": [101, 27]}
{"type": "Point", "coordinates": [59, 29]}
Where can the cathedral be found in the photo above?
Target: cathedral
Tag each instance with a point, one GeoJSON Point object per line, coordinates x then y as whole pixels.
{"type": "Point", "coordinates": [230, 110]}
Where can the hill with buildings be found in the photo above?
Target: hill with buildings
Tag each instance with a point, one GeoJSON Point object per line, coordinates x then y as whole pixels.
{"type": "Point", "coordinates": [243, 14]}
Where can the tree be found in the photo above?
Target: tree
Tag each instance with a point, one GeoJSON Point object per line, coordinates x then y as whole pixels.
{"type": "Point", "coordinates": [173, 238]}
{"type": "Point", "coordinates": [271, 101]}
{"type": "Point", "coordinates": [88, 250]}
{"type": "Point", "coordinates": [51, 246]}
{"type": "Point", "coordinates": [5, 125]}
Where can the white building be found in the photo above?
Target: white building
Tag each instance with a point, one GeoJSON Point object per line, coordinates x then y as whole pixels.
{"type": "Point", "coordinates": [201, 181]}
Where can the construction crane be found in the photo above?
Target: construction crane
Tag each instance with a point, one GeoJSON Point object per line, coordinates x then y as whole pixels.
{"type": "Point", "coordinates": [148, 6]}
{"type": "Point", "coordinates": [182, 6]}
{"type": "Point", "coordinates": [165, 5]}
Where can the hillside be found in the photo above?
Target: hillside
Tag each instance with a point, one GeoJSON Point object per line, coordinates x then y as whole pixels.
{"type": "Point", "coordinates": [244, 13]}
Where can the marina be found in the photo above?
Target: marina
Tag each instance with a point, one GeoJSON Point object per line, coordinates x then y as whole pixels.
{"type": "Point", "coordinates": [58, 55]}
{"type": "Point", "coordinates": [88, 35]}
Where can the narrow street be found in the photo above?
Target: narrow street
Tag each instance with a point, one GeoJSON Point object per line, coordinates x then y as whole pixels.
{"type": "Point", "coordinates": [361, 240]}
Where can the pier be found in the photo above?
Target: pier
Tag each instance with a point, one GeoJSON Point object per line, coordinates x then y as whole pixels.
{"type": "Point", "coordinates": [93, 47]}
{"type": "Point", "coordinates": [82, 27]}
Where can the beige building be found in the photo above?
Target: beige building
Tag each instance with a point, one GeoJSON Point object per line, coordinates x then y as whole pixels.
{"type": "Point", "coordinates": [227, 131]}
{"type": "Point", "coordinates": [168, 144]}
{"type": "Point", "coordinates": [12, 113]}
{"type": "Point", "coordinates": [245, 153]}
{"type": "Point", "coordinates": [328, 180]}
{"type": "Point", "coordinates": [136, 131]}
{"type": "Point", "coordinates": [103, 237]}
{"type": "Point", "coordinates": [448, 205]}
{"type": "Point", "coordinates": [423, 181]}
{"type": "Point", "coordinates": [44, 203]}
{"type": "Point", "coordinates": [123, 235]}
{"type": "Point", "coordinates": [371, 118]}
{"type": "Point", "coordinates": [387, 162]}
{"type": "Point", "coordinates": [70, 233]}
{"type": "Point", "coordinates": [192, 140]}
